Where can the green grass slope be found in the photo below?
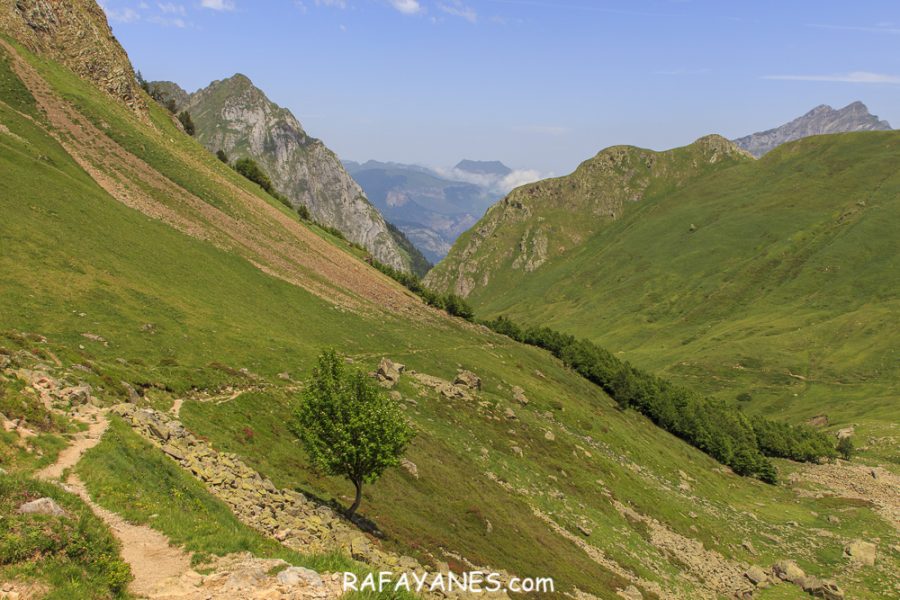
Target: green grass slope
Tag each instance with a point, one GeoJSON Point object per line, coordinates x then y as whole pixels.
{"type": "Point", "coordinates": [775, 279]}
{"type": "Point", "coordinates": [177, 299]}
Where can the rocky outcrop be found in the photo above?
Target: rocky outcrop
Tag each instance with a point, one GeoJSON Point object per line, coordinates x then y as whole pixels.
{"type": "Point", "coordinates": [235, 116]}
{"type": "Point", "coordinates": [76, 34]}
{"type": "Point", "coordinates": [820, 120]}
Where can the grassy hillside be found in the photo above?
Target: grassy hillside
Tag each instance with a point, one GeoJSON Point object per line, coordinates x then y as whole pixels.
{"type": "Point", "coordinates": [772, 281]}
{"type": "Point", "coordinates": [188, 282]}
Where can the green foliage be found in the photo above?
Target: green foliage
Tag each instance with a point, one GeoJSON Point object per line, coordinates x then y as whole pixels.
{"type": "Point", "coordinates": [710, 425]}
{"type": "Point", "coordinates": [796, 442]}
{"type": "Point", "coordinates": [451, 303]}
{"type": "Point", "coordinates": [186, 122]}
{"type": "Point", "coordinates": [303, 212]}
{"type": "Point", "coordinates": [222, 156]}
{"type": "Point", "coordinates": [75, 555]}
{"type": "Point", "coordinates": [348, 425]}
{"type": "Point", "coordinates": [846, 448]}
{"type": "Point", "coordinates": [252, 171]}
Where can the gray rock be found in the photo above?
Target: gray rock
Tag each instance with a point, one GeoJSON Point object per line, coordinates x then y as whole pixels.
{"type": "Point", "coordinates": [299, 577]}
{"type": "Point", "coordinates": [860, 552]}
{"type": "Point", "coordinates": [787, 570]}
{"type": "Point", "coordinates": [42, 506]}
{"type": "Point", "coordinates": [756, 576]}
{"type": "Point", "coordinates": [410, 467]}
{"type": "Point", "coordinates": [820, 120]}
{"type": "Point", "coordinates": [468, 379]}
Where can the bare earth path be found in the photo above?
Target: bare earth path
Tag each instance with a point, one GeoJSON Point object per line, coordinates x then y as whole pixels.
{"type": "Point", "coordinates": [160, 570]}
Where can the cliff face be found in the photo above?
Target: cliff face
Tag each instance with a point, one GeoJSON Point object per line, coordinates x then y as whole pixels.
{"type": "Point", "coordinates": [820, 120]}
{"type": "Point", "coordinates": [76, 34]}
{"type": "Point", "coordinates": [235, 116]}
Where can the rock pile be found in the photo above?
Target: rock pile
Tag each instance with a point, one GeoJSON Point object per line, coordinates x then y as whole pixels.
{"type": "Point", "coordinates": [285, 515]}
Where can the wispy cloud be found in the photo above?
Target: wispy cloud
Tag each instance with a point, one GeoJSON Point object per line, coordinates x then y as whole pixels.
{"type": "Point", "coordinates": [222, 5]}
{"type": "Point", "coordinates": [887, 28]}
{"type": "Point", "coordinates": [456, 8]}
{"type": "Point", "coordinates": [120, 15]}
{"type": "Point", "coordinates": [854, 77]}
{"type": "Point", "coordinates": [582, 7]}
{"type": "Point", "coordinates": [407, 7]}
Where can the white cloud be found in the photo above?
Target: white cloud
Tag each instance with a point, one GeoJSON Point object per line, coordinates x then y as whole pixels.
{"type": "Point", "coordinates": [217, 4]}
{"type": "Point", "coordinates": [170, 8]}
{"type": "Point", "coordinates": [120, 15]}
{"type": "Point", "coordinates": [407, 7]}
{"type": "Point", "coordinates": [495, 185]}
{"type": "Point", "coordinates": [854, 77]}
{"type": "Point", "coordinates": [457, 9]}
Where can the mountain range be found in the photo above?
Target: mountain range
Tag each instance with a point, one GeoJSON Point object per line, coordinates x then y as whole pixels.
{"type": "Point", "coordinates": [431, 208]}
{"type": "Point", "coordinates": [161, 316]}
{"type": "Point", "coordinates": [821, 120]}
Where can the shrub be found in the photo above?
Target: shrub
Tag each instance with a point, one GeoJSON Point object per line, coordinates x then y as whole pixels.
{"type": "Point", "coordinates": [252, 171]}
{"type": "Point", "coordinates": [186, 121]}
{"type": "Point", "coordinates": [220, 154]}
{"type": "Point", "coordinates": [845, 448]}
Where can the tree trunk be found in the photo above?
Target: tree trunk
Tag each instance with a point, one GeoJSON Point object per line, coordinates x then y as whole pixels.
{"type": "Point", "coordinates": [352, 510]}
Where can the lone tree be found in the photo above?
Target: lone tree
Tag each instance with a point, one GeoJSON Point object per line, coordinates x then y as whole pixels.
{"type": "Point", "coordinates": [348, 425]}
{"type": "Point", "coordinates": [220, 154]}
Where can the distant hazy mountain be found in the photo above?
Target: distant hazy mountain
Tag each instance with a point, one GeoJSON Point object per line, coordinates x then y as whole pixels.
{"type": "Point", "coordinates": [484, 167]}
{"type": "Point", "coordinates": [822, 119]}
{"type": "Point", "coordinates": [432, 208]}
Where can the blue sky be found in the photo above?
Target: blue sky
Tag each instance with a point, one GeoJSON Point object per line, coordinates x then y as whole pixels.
{"type": "Point", "coordinates": [538, 84]}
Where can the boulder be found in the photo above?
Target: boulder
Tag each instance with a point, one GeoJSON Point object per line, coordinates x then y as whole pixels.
{"type": "Point", "coordinates": [756, 576]}
{"type": "Point", "coordinates": [549, 436]}
{"type": "Point", "coordinates": [517, 451]}
{"type": "Point", "coordinates": [787, 570]}
{"type": "Point", "coordinates": [819, 588]}
{"type": "Point", "coordinates": [388, 371]}
{"type": "Point", "coordinates": [410, 467]}
{"type": "Point", "coordinates": [468, 379]}
{"type": "Point", "coordinates": [519, 395]}
{"type": "Point", "coordinates": [77, 395]}
{"type": "Point", "coordinates": [299, 577]}
{"type": "Point", "coordinates": [860, 552]}
{"type": "Point", "coordinates": [42, 506]}
{"type": "Point", "coordinates": [132, 393]}
{"type": "Point", "coordinates": [845, 432]}
{"type": "Point", "coordinates": [510, 414]}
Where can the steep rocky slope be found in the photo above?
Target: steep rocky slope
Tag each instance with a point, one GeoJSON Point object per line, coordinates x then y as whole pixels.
{"type": "Point", "coordinates": [820, 120]}
{"type": "Point", "coordinates": [76, 34]}
{"type": "Point", "coordinates": [235, 116]}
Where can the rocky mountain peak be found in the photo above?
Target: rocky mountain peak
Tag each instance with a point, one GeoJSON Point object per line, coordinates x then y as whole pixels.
{"type": "Point", "coordinates": [77, 34]}
{"type": "Point", "coordinates": [820, 120]}
{"type": "Point", "coordinates": [235, 116]}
